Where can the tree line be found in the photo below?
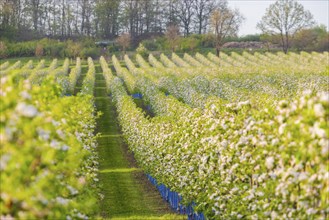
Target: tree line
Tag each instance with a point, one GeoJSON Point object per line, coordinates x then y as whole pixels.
{"type": "Point", "coordinates": [103, 18]}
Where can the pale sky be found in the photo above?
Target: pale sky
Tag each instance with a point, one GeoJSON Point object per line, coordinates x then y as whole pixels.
{"type": "Point", "coordinates": [253, 11]}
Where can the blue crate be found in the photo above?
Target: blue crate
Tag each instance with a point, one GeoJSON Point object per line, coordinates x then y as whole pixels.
{"type": "Point", "coordinates": [137, 96]}
{"type": "Point", "coordinates": [174, 199]}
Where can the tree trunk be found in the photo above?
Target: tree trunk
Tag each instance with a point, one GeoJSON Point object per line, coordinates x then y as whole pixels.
{"type": "Point", "coordinates": [35, 14]}
{"type": "Point", "coordinates": [200, 26]}
{"type": "Point", "coordinates": [63, 18]}
{"type": "Point", "coordinates": [217, 51]}
{"type": "Point", "coordinates": [285, 50]}
{"type": "Point", "coordinates": [287, 42]}
{"type": "Point", "coordinates": [267, 46]}
{"type": "Point", "coordinates": [283, 43]}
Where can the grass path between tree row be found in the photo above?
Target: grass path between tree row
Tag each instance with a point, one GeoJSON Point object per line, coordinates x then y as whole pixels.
{"type": "Point", "coordinates": [127, 192]}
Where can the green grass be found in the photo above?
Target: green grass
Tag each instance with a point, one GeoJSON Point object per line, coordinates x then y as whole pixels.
{"type": "Point", "coordinates": [119, 170]}
{"type": "Point", "coordinates": [163, 217]}
{"type": "Point", "coordinates": [127, 192]}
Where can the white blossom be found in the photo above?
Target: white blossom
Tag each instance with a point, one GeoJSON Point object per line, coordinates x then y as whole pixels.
{"type": "Point", "coordinates": [62, 200]}
{"type": "Point", "coordinates": [324, 143]}
{"type": "Point", "coordinates": [281, 128]}
{"type": "Point", "coordinates": [321, 133]}
{"type": "Point", "coordinates": [4, 159]}
{"type": "Point", "coordinates": [26, 110]}
{"type": "Point", "coordinates": [7, 217]}
{"type": "Point", "coordinates": [324, 97]}
{"type": "Point", "coordinates": [65, 148]}
{"type": "Point", "coordinates": [72, 190]}
{"type": "Point", "coordinates": [274, 215]}
{"type": "Point", "coordinates": [25, 95]}
{"type": "Point", "coordinates": [319, 110]}
{"type": "Point", "coordinates": [269, 162]}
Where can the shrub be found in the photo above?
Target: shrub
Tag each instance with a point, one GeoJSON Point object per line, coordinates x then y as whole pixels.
{"type": "Point", "coordinates": [207, 40]}
{"type": "Point", "coordinates": [323, 43]}
{"type": "Point", "coordinates": [189, 44]}
{"type": "Point", "coordinates": [56, 49]}
{"type": "Point", "coordinates": [22, 49]}
{"type": "Point", "coordinates": [87, 42]}
{"type": "Point", "coordinates": [73, 49]}
{"type": "Point", "coordinates": [113, 48]}
{"type": "Point", "coordinates": [90, 52]}
{"type": "Point", "coordinates": [153, 44]}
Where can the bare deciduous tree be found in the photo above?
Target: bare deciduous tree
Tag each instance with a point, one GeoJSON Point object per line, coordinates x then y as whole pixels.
{"type": "Point", "coordinates": [39, 50]}
{"type": "Point", "coordinates": [3, 50]}
{"type": "Point", "coordinates": [185, 14]}
{"type": "Point", "coordinates": [225, 22]}
{"type": "Point", "coordinates": [172, 35]}
{"type": "Point", "coordinates": [285, 17]}
{"type": "Point", "coordinates": [203, 9]}
{"type": "Point", "coordinates": [124, 41]}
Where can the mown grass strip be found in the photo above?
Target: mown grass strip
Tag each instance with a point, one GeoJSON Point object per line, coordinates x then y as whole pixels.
{"type": "Point", "coordinates": [110, 135]}
{"type": "Point", "coordinates": [127, 192]}
{"type": "Point", "coordinates": [163, 217]}
{"type": "Point", "coordinates": [120, 170]}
